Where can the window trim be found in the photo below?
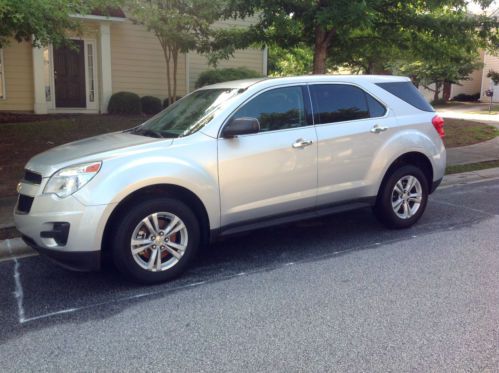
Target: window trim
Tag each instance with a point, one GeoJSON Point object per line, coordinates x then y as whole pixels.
{"type": "Point", "coordinates": [307, 105]}
{"type": "Point", "coordinates": [2, 75]}
{"type": "Point", "coordinates": [387, 112]}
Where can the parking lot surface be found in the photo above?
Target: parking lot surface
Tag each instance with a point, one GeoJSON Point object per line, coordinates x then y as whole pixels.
{"type": "Point", "coordinates": [340, 293]}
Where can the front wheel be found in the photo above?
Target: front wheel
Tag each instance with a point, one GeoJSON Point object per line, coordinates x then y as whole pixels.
{"type": "Point", "coordinates": [155, 240]}
{"type": "Point", "coordinates": [402, 198]}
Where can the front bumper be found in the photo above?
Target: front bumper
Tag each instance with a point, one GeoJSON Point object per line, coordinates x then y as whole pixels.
{"type": "Point", "coordinates": [74, 260]}
{"type": "Point", "coordinates": [65, 230]}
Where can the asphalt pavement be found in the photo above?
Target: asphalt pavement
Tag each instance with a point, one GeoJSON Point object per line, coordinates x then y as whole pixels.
{"type": "Point", "coordinates": [340, 293]}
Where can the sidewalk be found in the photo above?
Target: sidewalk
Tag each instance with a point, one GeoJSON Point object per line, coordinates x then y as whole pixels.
{"type": "Point", "coordinates": [481, 152]}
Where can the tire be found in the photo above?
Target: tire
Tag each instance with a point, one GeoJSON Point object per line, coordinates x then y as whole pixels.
{"type": "Point", "coordinates": [396, 206]}
{"type": "Point", "coordinates": [165, 234]}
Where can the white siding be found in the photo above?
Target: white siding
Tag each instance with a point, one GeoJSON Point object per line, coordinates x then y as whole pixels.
{"type": "Point", "coordinates": [471, 86]}
{"type": "Point", "coordinates": [138, 63]}
{"type": "Point", "coordinates": [18, 76]}
{"type": "Point", "coordinates": [491, 63]}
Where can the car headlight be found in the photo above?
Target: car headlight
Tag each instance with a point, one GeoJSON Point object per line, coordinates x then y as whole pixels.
{"type": "Point", "coordinates": [71, 179]}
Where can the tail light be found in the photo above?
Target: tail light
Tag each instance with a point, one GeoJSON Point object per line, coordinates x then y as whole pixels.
{"type": "Point", "coordinates": [438, 123]}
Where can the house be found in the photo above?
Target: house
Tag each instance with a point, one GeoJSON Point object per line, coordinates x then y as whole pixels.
{"type": "Point", "coordinates": [111, 55]}
{"type": "Point", "coordinates": [477, 81]}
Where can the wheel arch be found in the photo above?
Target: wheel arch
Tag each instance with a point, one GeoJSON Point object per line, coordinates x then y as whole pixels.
{"type": "Point", "coordinates": [159, 190]}
{"type": "Point", "coordinates": [414, 158]}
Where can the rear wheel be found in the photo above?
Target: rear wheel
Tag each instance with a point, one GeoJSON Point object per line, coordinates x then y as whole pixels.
{"type": "Point", "coordinates": [402, 198]}
{"type": "Point", "coordinates": [155, 240]}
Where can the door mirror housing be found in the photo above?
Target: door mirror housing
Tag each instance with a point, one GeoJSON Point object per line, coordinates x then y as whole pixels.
{"type": "Point", "coordinates": [241, 126]}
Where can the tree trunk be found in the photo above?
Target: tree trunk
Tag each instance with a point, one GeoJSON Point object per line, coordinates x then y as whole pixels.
{"type": "Point", "coordinates": [322, 42]}
{"type": "Point", "coordinates": [370, 68]}
{"type": "Point", "coordinates": [437, 92]}
{"type": "Point", "coordinates": [175, 65]}
{"type": "Point", "coordinates": [446, 91]}
{"type": "Point", "coordinates": [166, 52]}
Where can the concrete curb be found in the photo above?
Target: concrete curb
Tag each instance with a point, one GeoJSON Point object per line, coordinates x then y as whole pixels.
{"type": "Point", "coordinates": [15, 247]}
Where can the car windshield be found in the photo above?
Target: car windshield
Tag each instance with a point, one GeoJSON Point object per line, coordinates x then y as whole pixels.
{"type": "Point", "coordinates": [188, 115]}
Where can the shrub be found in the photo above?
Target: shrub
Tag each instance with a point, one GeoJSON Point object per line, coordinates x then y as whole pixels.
{"type": "Point", "coordinates": [466, 98]}
{"type": "Point", "coordinates": [151, 105]}
{"type": "Point", "coordinates": [440, 101]}
{"type": "Point", "coordinates": [165, 101]}
{"type": "Point", "coordinates": [225, 75]}
{"type": "Point", "coordinates": [124, 103]}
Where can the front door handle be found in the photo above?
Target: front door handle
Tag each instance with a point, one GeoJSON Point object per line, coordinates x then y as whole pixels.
{"type": "Point", "coordinates": [300, 143]}
{"type": "Point", "coordinates": [377, 129]}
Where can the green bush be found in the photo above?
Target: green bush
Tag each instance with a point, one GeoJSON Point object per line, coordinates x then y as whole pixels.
{"type": "Point", "coordinates": [165, 101]}
{"type": "Point", "coordinates": [225, 75]}
{"type": "Point", "coordinates": [151, 105]}
{"type": "Point", "coordinates": [124, 103]}
{"type": "Point", "coordinates": [467, 98]}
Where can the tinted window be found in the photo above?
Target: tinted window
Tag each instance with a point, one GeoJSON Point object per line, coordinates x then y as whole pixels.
{"type": "Point", "coordinates": [376, 110]}
{"type": "Point", "coordinates": [338, 103]}
{"type": "Point", "coordinates": [277, 109]}
{"type": "Point", "coordinates": [408, 92]}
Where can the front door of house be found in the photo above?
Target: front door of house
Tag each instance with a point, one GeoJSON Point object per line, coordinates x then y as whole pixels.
{"type": "Point", "coordinates": [69, 75]}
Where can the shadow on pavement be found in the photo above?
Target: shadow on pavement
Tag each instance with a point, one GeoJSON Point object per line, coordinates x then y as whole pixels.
{"type": "Point", "coordinates": [49, 289]}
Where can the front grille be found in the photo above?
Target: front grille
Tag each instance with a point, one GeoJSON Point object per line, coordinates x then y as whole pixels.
{"type": "Point", "coordinates": [32, 177]}
{"type": "Point", "coordinates": [24, 203]}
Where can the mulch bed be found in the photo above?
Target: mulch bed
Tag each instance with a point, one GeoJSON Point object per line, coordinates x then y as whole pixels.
{"type": "Point", "coordinates": [13, 117]}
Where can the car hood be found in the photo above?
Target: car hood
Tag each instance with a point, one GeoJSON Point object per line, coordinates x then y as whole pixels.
{"type": "Point", "coordinates": [96, 148]}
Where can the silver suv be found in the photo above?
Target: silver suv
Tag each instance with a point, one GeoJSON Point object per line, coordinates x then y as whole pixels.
{"type": "Point", "coordinates": [232, 157]}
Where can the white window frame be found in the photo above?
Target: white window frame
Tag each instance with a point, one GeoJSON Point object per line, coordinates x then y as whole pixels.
{"type": "Point", "coordinates": [51, 103]}
{"type": "Point", "coordinates": [2, 75]}
{"type": "Point", "coordinates": [95, 104]}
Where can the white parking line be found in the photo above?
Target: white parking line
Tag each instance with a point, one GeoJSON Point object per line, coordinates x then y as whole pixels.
{"type": "Point", "coordinates": [463, 207]}
{"type": "Point", "coordinates": [18, 293]}
{"type": "Point", "coordinates": [16, 248]}
{"type": "Point", "coordinates": [195, 284]}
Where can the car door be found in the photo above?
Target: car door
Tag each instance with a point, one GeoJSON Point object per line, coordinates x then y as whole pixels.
{"type": "Point", "coordinates": [274, 171]}
{"type": "Point", "coordinates": [352, 126]}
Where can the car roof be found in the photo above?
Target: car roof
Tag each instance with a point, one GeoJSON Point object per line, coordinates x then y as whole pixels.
{"type": "Point", "coordinates": [245, 83]}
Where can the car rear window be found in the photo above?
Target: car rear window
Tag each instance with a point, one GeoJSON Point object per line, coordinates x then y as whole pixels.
{"type": "Point", "coordinates": [408, 92]}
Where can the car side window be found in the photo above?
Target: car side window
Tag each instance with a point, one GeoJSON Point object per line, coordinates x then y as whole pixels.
{"type": "Point", "coordinates": [277, 109]}
{"type": "Point", "coordinates": [340, 102]}
{"type": "Point", "coordinates": [376, 109]}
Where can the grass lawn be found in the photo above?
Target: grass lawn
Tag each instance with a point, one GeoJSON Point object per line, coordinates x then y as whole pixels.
{"type": "Point", "coordinates": [460, 132]}
{"type": "Point", "coordinates": [471, 167]}
{"type": "Point", "coordinates": [21, 141]}
{"type": "Point", "coordinates": [494, 110]}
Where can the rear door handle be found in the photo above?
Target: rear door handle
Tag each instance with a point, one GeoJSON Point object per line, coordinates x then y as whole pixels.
{"type": "Point", "coordinates": [377, 129]}
{"type": "Point", "coordinates": [301, 143]}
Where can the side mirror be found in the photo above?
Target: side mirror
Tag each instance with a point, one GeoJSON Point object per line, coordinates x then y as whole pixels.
{"type": "Point", "coordinates": [241, 126]}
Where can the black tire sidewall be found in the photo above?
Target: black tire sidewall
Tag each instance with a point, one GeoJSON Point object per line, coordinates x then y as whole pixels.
{"type": "Point", "coordinates": [383, 206]}
{"type": "Point", "coordinates": [122, 234]}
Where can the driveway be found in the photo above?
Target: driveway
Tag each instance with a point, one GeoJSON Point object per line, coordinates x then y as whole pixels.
{"type": "Point", "coordinates": [336, 294]}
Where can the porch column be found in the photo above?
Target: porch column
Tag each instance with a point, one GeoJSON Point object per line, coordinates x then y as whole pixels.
{"type": "Point", "coordinates": [40, 104]}
{"type": "Point", "coordinates": [105, 65]}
